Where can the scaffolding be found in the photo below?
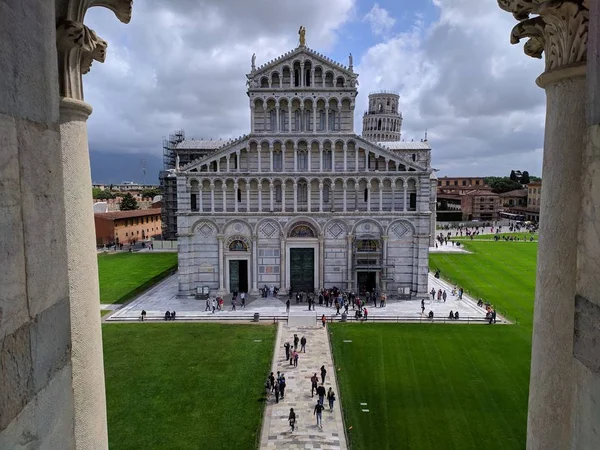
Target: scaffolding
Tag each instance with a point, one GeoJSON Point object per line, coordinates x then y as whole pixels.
{"type": "Point", "coordinates": [169, 148]}
{"type": "Point", "coordinates": [168, 184]}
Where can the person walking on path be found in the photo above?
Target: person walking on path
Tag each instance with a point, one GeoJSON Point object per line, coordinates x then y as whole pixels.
{"type": "Point", "coordinates": [287, 306]}
{"type": "Point", "coordinates": [444, 296]}
{"type": "Point", "coordinates": [324, 320]}
{"type": "Point", "coordinates": [272, 381]}
{"type": "Point", "coordinates": [143, 314]}
{"type": "Point", "coordinates": [366, 313]}
{"type": "Point", "coordinates": [303, 344]}
{"type": "Point", "coordinates": [287, 350]}
{"type": "Point", "coordinates": [282, 386]}
{"type": "Point", "coordinates": [314, 380]}
{"type": "Point", "coordinates": [296, 340]}
{"type": "Point", "coordinates": [214, 305]}
{"type": "Point", "coordinates": [323, 373]}
{"type": "Point", "coordinates": [233, 304]}
{"type": "Point", "coordinates": [243, 297]}
{"type": "Point", "coordinates": [422, 306]}
{"type": "Point", "coordinates": [319, 413]}
{"type": "Point", "coordinates": [330, 398]}
{"type": "Point", "coordinates": [207, 305]}
{"type": "Point", "coordinates": [292, 419]}
{"type": "Point", "coordinates": [295, 358]}
{"type": "Point", "coordinates": [276, 389]}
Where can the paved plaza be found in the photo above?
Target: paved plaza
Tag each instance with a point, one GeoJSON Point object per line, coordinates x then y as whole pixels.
{"type": "Point", "coordinates": [163, 297]}
{"type": "Point", "coordinates": [276, 432]}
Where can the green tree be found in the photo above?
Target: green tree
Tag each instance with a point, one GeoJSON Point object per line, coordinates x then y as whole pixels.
{"type": "Point", "coordinates": [96, 192]}
{"type": "Point", "coordinates": [151, 193]}
{"type": "Point", "coordinates": [502, 184]}
{"type": "Point", "coordinates": [513, 176]}
{"type": "Point", "coordinates": [102, 194]}
{"type": "Point", "coordinates": [128, 203]}
{"type": "Point", "coordinates": [525, 177]}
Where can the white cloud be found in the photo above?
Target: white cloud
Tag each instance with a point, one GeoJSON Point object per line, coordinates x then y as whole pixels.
{"type": "Point", "coordinates": [462, 80]}
{"type": "Point", "coordinates": [379, 19]}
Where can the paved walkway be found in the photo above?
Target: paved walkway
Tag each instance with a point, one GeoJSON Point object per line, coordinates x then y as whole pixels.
{"type": "Point", "coordinates": [276, 432]}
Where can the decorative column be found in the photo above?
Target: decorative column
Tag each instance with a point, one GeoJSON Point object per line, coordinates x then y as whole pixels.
{"type": "Point", "coordinates": [270, 158]}
{"type": "Point", "coordinates": [283, 157]}
{"type": "Point", "coordinates": [290, 117]}
{"type": "Point", "coordinates": [220, 243]}
{"type": "Point", "coordinates": [393, 195]}
{"type": "Point", "coordinates": [254, 265]}
{"type": "Point", "coordinates": [224, 189]}
{"type": "Point", "coordinates": [295, 196]}
{"type": "Point", "coordinates": [302, 125]}
{"type": "Point", "coordinates": [200, 206]}
{"type": "Point", "coordinates": [314, 114]}
{"type": "Point", "coordinates": [235, 196]}
{"type": "Point", "coordinates": [326, 118]}
{"type": "Point", "coordinates": [212, 196]}
{"type": "Point", "coordinates": [302, 76]}
{"type": "Point", "coordinates": [248, 196]}
{"type": "Point", "coordinates": [228, 168]}
{"type": "Point", "coordinates": [282, 258]}
{"type": "Point", "coordinates": [238, 155]}
{"type": "Point", "coordinates": [349, 253]}
{"type": "Point", "coordinates": [345, 157]}
{"type": "Point", "coordinates": [345, 188]}
{"type": "Point", "coordinates": [321, 187]}
{"type": "Point", "coordinates": [384, 263]}
{"type": "Point", "coordinates": [295, 149]}
{"type": "Point", "coordinates": [309, 158]}
{"type": "Point", "coordinates": [380, 196]}
{"type": "Point", "coordinates": [369, 197]}
{"type": "Point", "coordinates": [405, 207]}
{"type": "Point", "coordinates": [308, 192]}
{"type": "Point", "coordinates": [258, 151]}
{"type": "Point", "coordinates": [333, 157]}
{"type": "Point", "coordinates": [252, 108]}
{"type": "Point", "coordinates": [271, 187]}
{"type": "Point", "coordinates": [283, 183]}
{"type": "Point", "coordinates": [560, 397]}
{"type": "Point", "coordinates": [218, 165]}
{"type": "Point", "coordinates": [260, 197]}
{"type": "Point", "coordinates": [320, 157]}
{"type": "Point", "coordinates": [367, 154]}
{"type": "Point", "coordinates": [321, 281]}
{"type": "Point", "coordinates": [355, 158]}
{"type": "Point", "coordinates": [77, 47]}
{"type": "Point", "coordinates": [277, 108]}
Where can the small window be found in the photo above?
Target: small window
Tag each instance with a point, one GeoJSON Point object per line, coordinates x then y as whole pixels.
{"type": "Point", "coordinates": [239, 195]}
{"type": "Point", "coordinates": [366, 195]}
{"type": "Point", "coordinates": [302, 160]}
{"type": "Point", "coordinates": [277, 158]}
{"type": "Point", "coordinates": [278, 193]}
{"type": "Point", "coordinates": [194, 201]}
{"type": "Point", "coordinates": [326, 193]}
{"type": "Point", "coordinates": [414, 157]}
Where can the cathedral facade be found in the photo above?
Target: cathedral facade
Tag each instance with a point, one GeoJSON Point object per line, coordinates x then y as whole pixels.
{"type": "Point", "coordinates": [302, 202]}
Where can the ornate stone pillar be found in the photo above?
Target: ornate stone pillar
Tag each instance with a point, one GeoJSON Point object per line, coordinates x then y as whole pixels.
{"type": "Point", "coordinates": [302, 76]}
{"type": "Point", "coordinates": [320, 157]}
{"type": "Point", "coordinates": [238, 155]}
{"type": "Point", "coordinates": [321, 187]}
{"type": "Point", "coordinates": [309, 157]}
{"type": "Point", "coordinates": [278, 124]}
{"type": "Point", "coordinates": [218, 165]}
{"type": "Point", "coordinates": [271, 187]}
{"type": "Point", "coordinates": [235, 196]}
{"type": "Point", "coordinates": [393, 195]}
{"type": "Point", "coordinates": [248, 196]}
{"type": "Point", "coordinates": [349, 253]}
{"type": "Point", "coordinates": [252, 109]}
{"type": "Point", "coordinates": [228, 168]}
{"type": "Point", "coordinates": [321, 281]}
{"type": "Point", "coordinates": [258, 151]}
{"type": "Point", "coordinates": [560, 30]}
{"type": "Point", "coordinates": [326, 118]}
{"type": "Point", "coordinates": [283, 183]}
{"type": "Point", "coordinates": [224, 189]}
{"type": "Point", "coordinates": [369, 196]}
{"type": "Point", "coordinates": [295, 196]}
{"type": "Point", "coordinates": [308, 192]}
{"type": "Point", "coordinates": [220, 242]}
{"type": "Point", "coordinates": [367, 160]}
{"type": "Point", "coordinates": [295, 149]}
{"type": "Point", "coordinates": [333, 157]}
{"type": "Point", "coordinates": [405, 206]}
{"type": "Point", "coordinates": [282, 259]}
{"type": "Point", "coordinates": [212, 196]}
{"type": "Point", "coordinates": [302, 124]}
{"type": "Point", "coordinates": [289, 117]}
{"type": "Point", "coordinates": [200, 205]}
{"type": "Point", "coordinates": [270, 158]}
{"type": "Point", "coordinates": [355, 158]}
{"type": "Point", "coordinates": [384, 262]}
{"type": "Point", "coordinates": [345, 157]}
{"type": "Point", "coordinates": [254, 265]}
{"type": "Point", "coordinates": [345, 188]}
{"type": "Point", "coordinates": [380, 185]}
{"type": "Point", "coordinates": [260, 197]}
{"type": "Point", "coordinates": [314, 115]}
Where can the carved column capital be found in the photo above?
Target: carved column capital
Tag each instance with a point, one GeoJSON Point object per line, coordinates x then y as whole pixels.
{"type": "Point", "coordinates": [77, 45]}
{"type": "Point", "coordinates": [558, 28]}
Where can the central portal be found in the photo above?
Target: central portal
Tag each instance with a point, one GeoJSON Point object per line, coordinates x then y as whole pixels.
{"type": "Point", "coordinates": [238, 275]}
{"type": "Point", "coordinates": [302, 269]}
{"type": "Point", "coordinates": [367, 282]}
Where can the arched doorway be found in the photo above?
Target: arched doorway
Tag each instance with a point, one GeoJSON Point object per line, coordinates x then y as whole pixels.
{"type": "Point", "coordinates": [302, 255]}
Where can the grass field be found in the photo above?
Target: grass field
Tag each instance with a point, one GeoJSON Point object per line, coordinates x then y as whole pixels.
{"type": "Point", "coordinates": [185, 386]}
{"type": "Point", "coordinates": [445, 386]}
{"type": "Point", "coordinates": [123, 275]}
{"type": "Point", "coordinates": [490, 237]}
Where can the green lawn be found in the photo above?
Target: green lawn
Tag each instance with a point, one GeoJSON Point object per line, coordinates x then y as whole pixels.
{"type": "Point", "coordinates": [490, 237]}
{"type": "Point", "coordinates": [445, 386]}
{"type": "Point", "coordinates": [123, 275]}
{"type": "Point", "coordinates": [185, 386]}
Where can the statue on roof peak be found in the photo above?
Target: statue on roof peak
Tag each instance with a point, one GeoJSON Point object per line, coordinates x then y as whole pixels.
{"type": "Point", "coordinates": [302, 34]}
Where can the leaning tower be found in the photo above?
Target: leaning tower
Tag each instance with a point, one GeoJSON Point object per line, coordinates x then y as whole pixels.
{"type": "Point", "coordinates": [382, 122]}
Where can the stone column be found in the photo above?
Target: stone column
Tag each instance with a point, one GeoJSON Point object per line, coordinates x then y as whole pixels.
{"type": "Point", "coordinates": [405, 206]}
{"type": "Point", "coordinates": [295, 196]}
{"type": "Point", "coordinates": [321, 186]}
{"type": "Point", "coordinates": [367, 161]}
{"type": "Point", "coordinates": [308, 193]}
{"type": "Point", "coordinates": [271, 187]}
{"type": "Point", "coordinates": [393, 195]}
{"type": "Point", "coordinates": [302, 125]}
{"type": "Point", "coordinates": [368, 196]}
{"type": "Point", "coordinates": [238, 155]}
{"type": "Point", "coordinates": [254, 265]}
{"type": "Point", "coordinates": [345, 188]}
{"type": "Point", "coordinates": [270, 158]}
{"type": "Point", "coordinates": [560, 31]}
{"type": "Point", "coordinates": [283, 157]}
{"type": "Point", "coordinates": [212, 197]}
{"type": "Point", "coordinates": [295, 158]}
{"type": "Point", "coordinates": [320, 157]}
{"type": "Point", "coordinates": [380, 196]}
{"type": "Point", "coordinates": [248, 196]}
{"type": "Point", "coordinates": [326, 118]}
{"type": "Point", "coordinates": [252, 108]}
{"type": "Point", "coordinates": [282, 257]}
{"type": "Point", "coordinates": [227, 159]}
{"type": "Point", "coordinates": [302, 74]}
{"type": "Point", "coordinates": [220, 242]}
{"type": "Point", "coordinates": [355, 158]}
{"type": "Point", "coordinates": [333, 157]}
{"type": "Point", "coordinates": [384, 263]}
{"type": "Point", "coordinates": [260, 197]}
{"type": "Point", "coordinates": [277, 125]}
{"type": "Point", "coordinates": [349, 253]}
{"type": "Point", "coordinates": [200, 205]}
{"type": "Point", "coordinates": [283, 183]}
{"type": "Point", "coordinates": [290, 117]}
{"type": "Point", "coordinates": [258, 151]}
{"type": "Point", "coordinates": [224, 189]}
{"type": "Point", "coordinates": [309, 158]}
{"type": "Point", "coordinates": [345, 157]}
{"type": "Point", "coordinates": [314, 116]}
{"type": "Point", "coordinates": [321, 281]}
{"type": "Point", "coordinates": [235, 196]}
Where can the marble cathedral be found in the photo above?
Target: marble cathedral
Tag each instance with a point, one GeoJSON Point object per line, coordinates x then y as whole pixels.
{"type": "Point", "coordinates": [302, 202]}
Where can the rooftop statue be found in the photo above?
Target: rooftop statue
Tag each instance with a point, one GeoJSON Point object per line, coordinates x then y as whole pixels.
{"type": "Point", "coordinates": [302, 33]}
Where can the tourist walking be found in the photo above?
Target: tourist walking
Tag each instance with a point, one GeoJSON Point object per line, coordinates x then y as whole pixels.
{"type": "Point", "coordinates": [323, 373]}
{"type": "Point", "coordinates": [207, 305]}
{"type": "Point", "coordinates": [422, 306]}
{"type": "Point", "coordinates": [295, 358]}
{"type": "Point", "coordinates": [296, 340]}
{"type": "Point", "coordinates": [243, 298]}
{"type": "Point", "coordinates": [214, 305]}
{"type": "Point", "coordinates": [143, 316]}
{"type": "Point", "coordinates": [276, 389]}
{"type": "Point", "coordinates": [319, 413]}
{"type": "Point", "coordinates": [314, 380]}
{"type": "Point", "coordinates": [303, 344]}
{"type": "Point", "coordinates": [330, 398]}
{"type": "Point", "coordinates": [287, 306]}
{"type": "Point", "coordinates": [444, 296]}
{"type": "Point", "coordinates": [233, 304]}
{"type": "Point", "coordinates": [282, 386]}
{"type": "Point", "coordinates": [323, 320]}
{"type": "Point", "coordinates": [287, 350]}
{"type": "Point", "coordinates": [272, 381]}
{"type": "Point", "coordinates": [366, 313]}
{"type": "Point", "coordinates": [292, 419]}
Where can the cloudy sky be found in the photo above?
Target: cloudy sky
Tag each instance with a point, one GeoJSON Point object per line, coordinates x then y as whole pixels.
{"type": "Point", "coordinates": [182, 64]}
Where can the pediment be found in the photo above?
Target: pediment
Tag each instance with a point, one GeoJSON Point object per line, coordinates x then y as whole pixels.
{"type": "Point", "coordinates": [302, 52]}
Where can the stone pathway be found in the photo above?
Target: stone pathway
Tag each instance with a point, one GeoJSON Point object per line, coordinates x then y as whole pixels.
{"type": "Point", "coordinates": [276, 432]}
{"type": "Point", "coordinates": [110, 307]}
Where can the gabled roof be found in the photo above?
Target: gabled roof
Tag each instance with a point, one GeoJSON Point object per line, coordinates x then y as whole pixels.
{"type": "Point", "coordinates": [222, 151]}
{"type": "Point", "coordinates": [114, 215]}
{"type": "Point", "coordinates": [297, 51]}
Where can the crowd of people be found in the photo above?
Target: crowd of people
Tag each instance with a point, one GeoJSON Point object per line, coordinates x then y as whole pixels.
{"type": "Point", "coordinates": [275, 385]}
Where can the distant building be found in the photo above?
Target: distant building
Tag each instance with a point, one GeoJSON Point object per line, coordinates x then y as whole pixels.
{"type": "Point", "coordinates": [481, 204]}
{"type": "Point", "coordinates": [125, 186]}
{"type": "Point", "coordinates": [461, 182]}
{"type": "Point", "coordinates": [534, 197]}
{"type": "Point", "coordinates": [123, 227]}
{"type": "Point", "coordinates": [114, 204]}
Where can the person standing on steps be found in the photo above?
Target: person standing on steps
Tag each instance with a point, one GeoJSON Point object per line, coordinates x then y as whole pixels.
{"type": "Point", "coordinates": [330, 398]}
{"type": "Point", "coordinates": [292, 419]}
{"type": "Point", "coordinates": [324, 320]}
{"type": "Point", "coordinates": [319, 413]}
{"type": "Point", "coordinates": [243, 297]}
{"type": "Point", "coordinates": [314, 380]}
{"type": "Point", "coordinates": [422, 306]}
{"type": "Point", "coordinates": [323, 373]}
{"type": "Point", "coordinates": [303, 344]}
{"type": "Point", "coordinates": [287, 306]}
